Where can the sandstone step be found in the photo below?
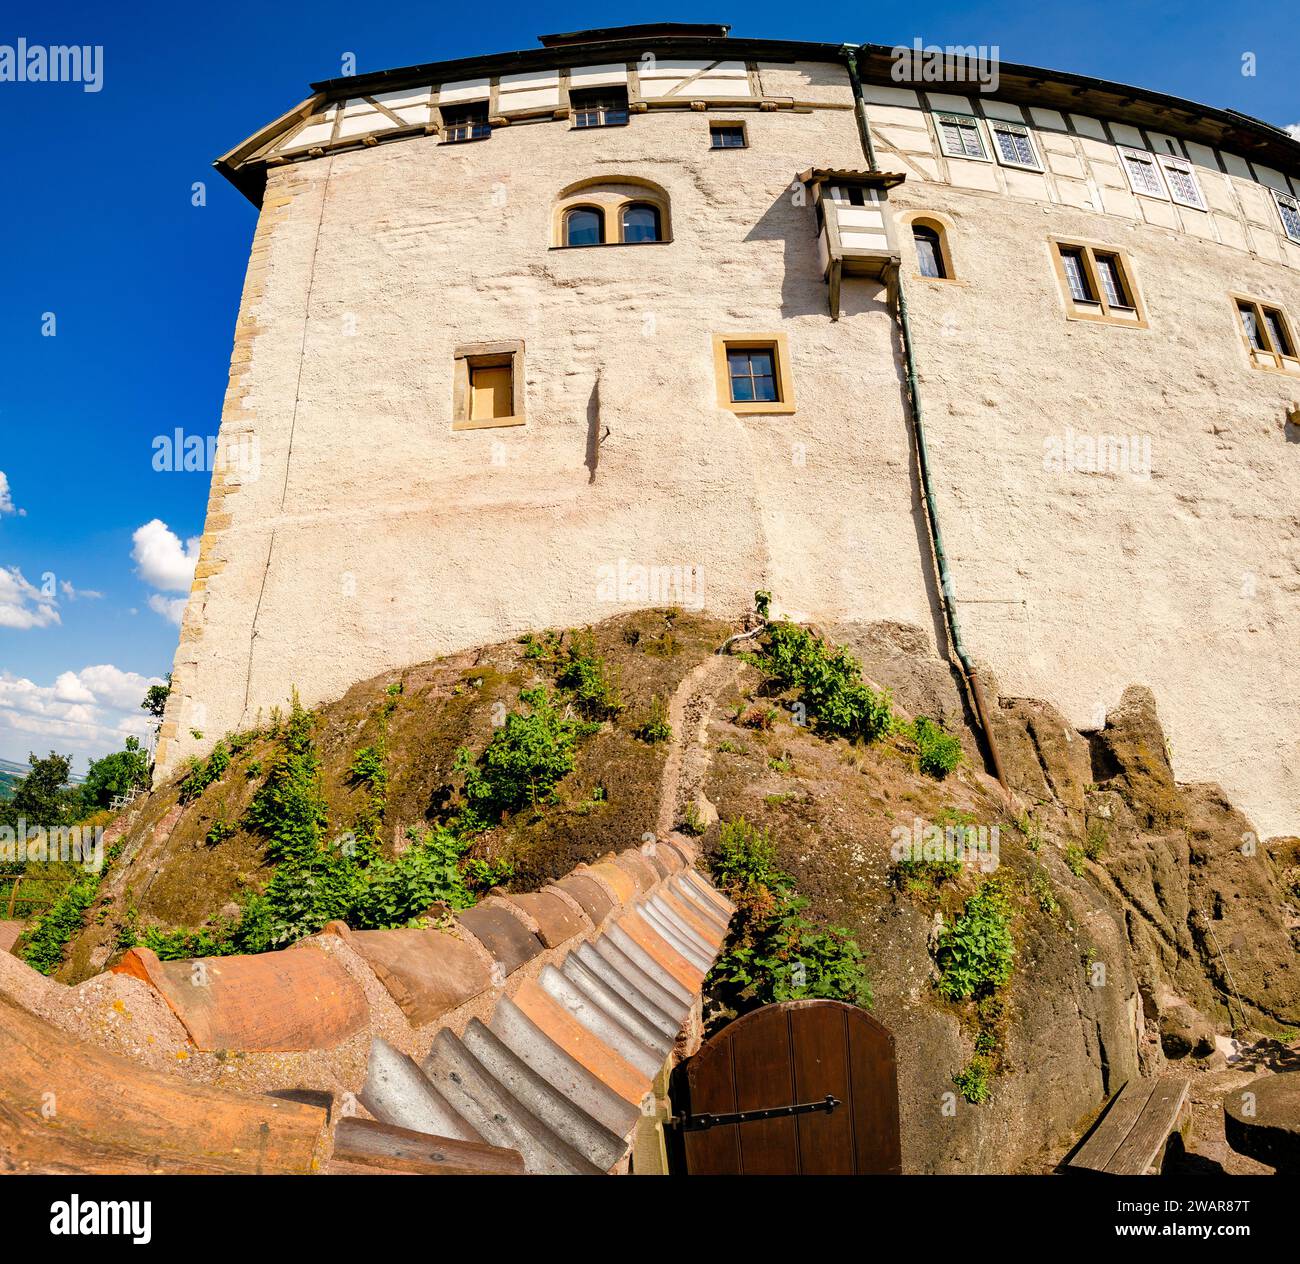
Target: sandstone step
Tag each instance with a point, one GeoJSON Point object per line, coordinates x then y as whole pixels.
{"type": "Point", "coordinates": [397, 1092]}
{"type": "Point", "coordinates": [565, 1118]}
{"type": "Point", "coordinates": [586, 1091]}
{"type": "Point", "coordinates": [495, 1113]}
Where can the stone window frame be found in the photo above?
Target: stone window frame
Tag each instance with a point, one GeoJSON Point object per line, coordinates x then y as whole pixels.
{"type": "Point", "coordinates": [1270, 359]}
{"type": "Point", "coordinates": [942, 225]}
{"type": "Point", "coordinates": [779, 345]}
{"type": "Point", "coordinates": [612, 196]}
{"type": "Point", "coordinates": [1100, 310]}
{"type": "Point", "coordinates": [486, 355]}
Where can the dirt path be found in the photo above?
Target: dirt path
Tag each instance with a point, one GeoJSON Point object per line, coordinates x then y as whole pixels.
{"type": "Point", "coordinates": [688, 752]}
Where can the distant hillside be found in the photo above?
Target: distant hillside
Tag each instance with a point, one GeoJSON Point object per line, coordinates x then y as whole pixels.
{"type": "Point", "coordinates": [12, 773]}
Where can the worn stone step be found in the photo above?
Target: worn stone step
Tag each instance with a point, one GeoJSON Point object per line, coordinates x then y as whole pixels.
{"type": "Point", "coordinates": [529, 1043]}
{"type": "Point", "coordinates": [681, 937]}
{"type": "Point", "coordinates": [652, 965]}
{"type": "Point", "coordinates": [397, 1092]}
{"type": "Point", "coordinates": [389, 1148]}
{"type": "Point", "coordinates": [630, 984]}
{"type": "Point", "coordinates": [496, 1114]}
{"type": "Point", "coordinates": [581, 976]}
{"type": "Point", "coordinates": [586, 1135]}
{"type": "Point", "coordinates": [648, 979]}
{"type": "Point", "coordinates": [600, 1022]}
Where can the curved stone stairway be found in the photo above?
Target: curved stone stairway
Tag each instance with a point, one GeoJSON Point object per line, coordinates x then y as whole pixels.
{"type": "Point", "coordinates": [538, 1031]}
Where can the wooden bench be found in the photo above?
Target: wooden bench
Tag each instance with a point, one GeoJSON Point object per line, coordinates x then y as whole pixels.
{"type": "Point", "coordinates": [1130, 1138]}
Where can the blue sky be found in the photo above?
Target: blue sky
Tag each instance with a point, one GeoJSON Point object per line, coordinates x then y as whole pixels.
{"type": "Point", "coordinates": [101, 231]}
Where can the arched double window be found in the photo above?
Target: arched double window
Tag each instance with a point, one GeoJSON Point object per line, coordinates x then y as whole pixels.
{"type": "Point", "coordinates": [625, 211]}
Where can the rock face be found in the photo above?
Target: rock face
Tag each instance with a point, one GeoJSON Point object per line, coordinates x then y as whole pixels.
{"type": "Point", "coordinates": [1207, 907]}
{"type": "Point", "coordinates": [1263, 1121]}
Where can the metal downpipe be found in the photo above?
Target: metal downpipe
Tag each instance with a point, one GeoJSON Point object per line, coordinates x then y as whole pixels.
{"type": "Point", "coordinates": [968, 667]}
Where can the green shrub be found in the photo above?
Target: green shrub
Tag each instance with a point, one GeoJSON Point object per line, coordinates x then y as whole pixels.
{"type": "Point", "coordinates": [656, 727]}
{"type": "Point", "coordinates": [46, 943]}
{"type": "Point", "coordinates": [220, 830]}
{"type": "Point", "coordinates": [525, 760]}
{"type": "Point", "coordinates": [692, 821]}
{"type": "Point", "coordinates": [1094, 845]}
{"type": "Point", "coordinates": [1074, 860]}
{"type": "Point", "coordinates": [973, 1080]}
{"type": "Point", "coordinates": [201, 775]}
{"type": "Point", "coordinates": [940, 751]}
{"type": "Point", "coordinates": [428, 872]}
{"type": "Point", "coordinates": [829, 681]}
{"type": "Point", "coordinates": [774, 952]}
{"type": "Point", "coordinates": [586, 675]}
{"type": "Point", "coordinates": [976, 952]}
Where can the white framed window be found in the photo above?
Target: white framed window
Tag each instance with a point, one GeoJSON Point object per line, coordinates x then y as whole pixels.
{"type": "Point", "coordinates": [1143, 172]}
{"type": "Point", "coordinates": [1014, 145]}
{"type": "Point", "coordinates": [1180, 176]}
{"type": "Point", "coordinates": [960, 137]}
{"type": "Point", "coordinates": [1288, 209]}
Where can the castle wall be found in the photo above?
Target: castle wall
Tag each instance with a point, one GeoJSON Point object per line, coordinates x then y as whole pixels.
{"type": "Point", "coordinates": [375, 536]}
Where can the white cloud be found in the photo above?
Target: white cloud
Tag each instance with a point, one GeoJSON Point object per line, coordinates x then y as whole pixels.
{"type": "Point", "coordinates": [171, 608]}
{"type": "Point", "coordinates": [85, 713]}
{"type": "Point", "coordinates": [72, 593]}
{"type": "Point", "coordinates": [1293, 129]}
{"type": "Point", "coordinates": [23, 605]}
{"type": "Point", "coordinates": [7, 505]}
{"type": "Point", "coordinates": [163, 560]}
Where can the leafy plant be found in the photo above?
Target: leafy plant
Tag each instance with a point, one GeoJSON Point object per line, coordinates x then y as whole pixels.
{"type": "Point", "coordinates": [692, 821]}
{"type": "Point", "coordinates": [219, 831]}
{"type": "Point", "coordinates": [201, 775]}
{"type": "Point", "coordinates": [586, 675]}
{"type": "Point", "coordinates": [1040, 887]}
{"type": "Point", "coordinates": [1074, 858]}
{"type": "Point", "coordinates": [45, 944]}
{"type": "Point", "coordinates": [829, 681]}
{"type": "Point", "coordinates": [976, 953]}
{"type": "Point", "coordinates": [525, 760]}
{"type": "Point", "coordinates": [656, 727]}
{"type": "Point", "coordinates": [973, 1080]}
{"type": "Point", "coordinates": [940, 751]}
{"type": "Point", "coordinates": [774, 951]}
{"type": "Point", "coordinates": [1094, 844]}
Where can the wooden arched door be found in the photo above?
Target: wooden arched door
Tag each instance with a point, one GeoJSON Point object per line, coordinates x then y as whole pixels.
{"type": "Point", "coordinates": [791, 1055]}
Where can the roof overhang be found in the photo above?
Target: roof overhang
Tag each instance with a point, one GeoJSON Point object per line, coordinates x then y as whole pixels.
{"type": "Point", "coordinates": [1029, 85]}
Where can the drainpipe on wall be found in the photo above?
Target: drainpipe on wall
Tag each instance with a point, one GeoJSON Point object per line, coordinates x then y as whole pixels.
{"type": "Point", "coordinates": [923, 455]}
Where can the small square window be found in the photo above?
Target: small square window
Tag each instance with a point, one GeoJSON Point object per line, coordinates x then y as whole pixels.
{"type": "Point", "coordinates": [465, 122]}
{"type": "Point", "coordinates": [1143, 173]}
{"type": "Point", "coordinates": [1015, 146]}
{"type": "Point", "coordinates": [1180, 176]}
{"type": "Point", "coordinates": [959, 136]}
{"type": "Point", "coordinates": [600, 107]}
{"type": "Point", "coordinates": [1097, 284]}
{"type": "Point", "coordinates": [727, 136]}
{"type": "Point", "coordinates": [488, 386]}
{"type": "Point", "coordinates": [753, 373]}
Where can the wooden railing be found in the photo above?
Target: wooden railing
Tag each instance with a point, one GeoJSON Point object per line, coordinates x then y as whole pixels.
{"type": "Point", "coordinates": [18, 903]}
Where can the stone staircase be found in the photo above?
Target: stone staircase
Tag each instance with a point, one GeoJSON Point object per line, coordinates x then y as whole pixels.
{"type": "Point", "coordinates": [534, 1034]}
